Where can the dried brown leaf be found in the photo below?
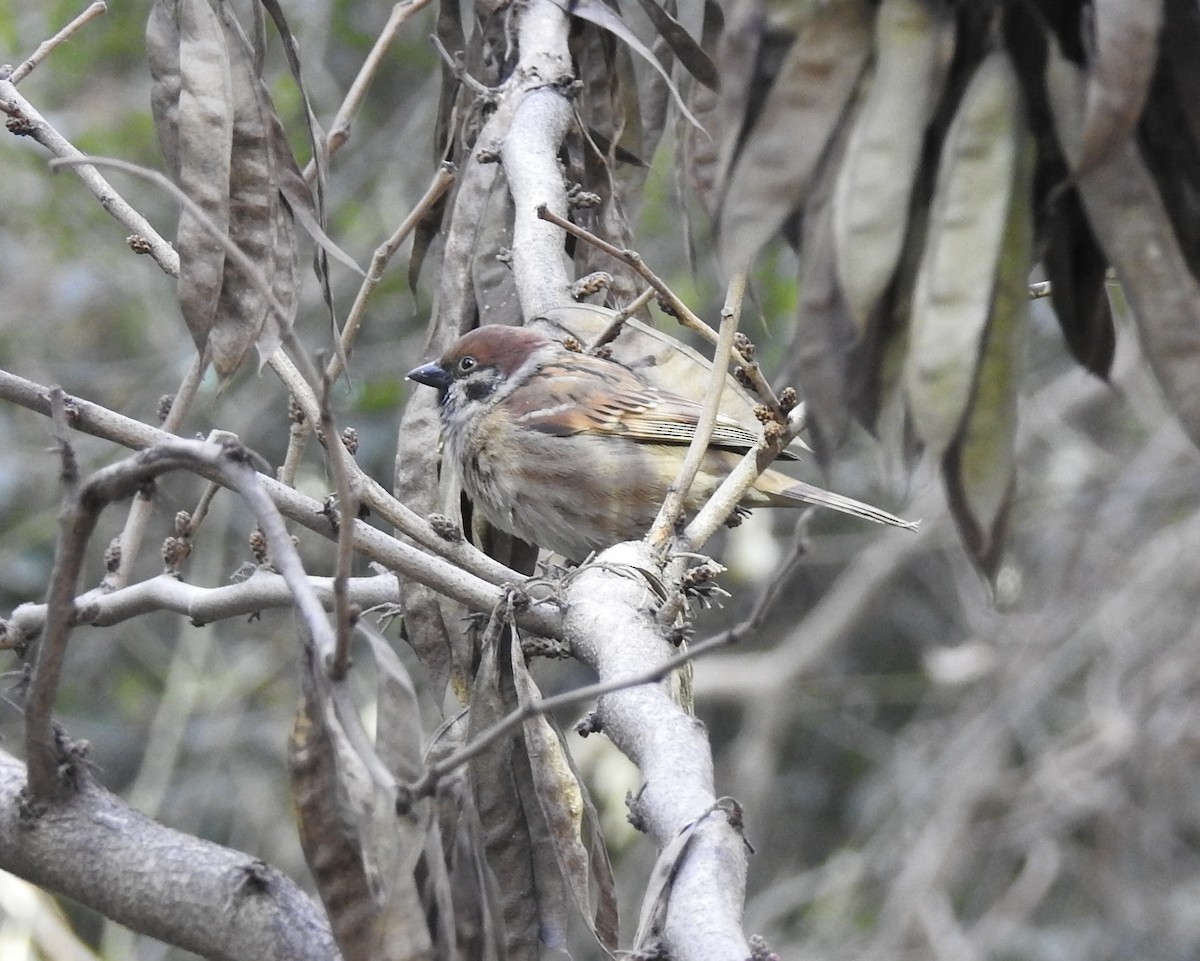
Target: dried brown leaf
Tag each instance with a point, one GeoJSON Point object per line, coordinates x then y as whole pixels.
{"type": "Point", "coordinates": [496, 777]}
{"type": "Point", "coordinates": [162, 56]}
{"type": "Point", "coordinates": [492, 277]}
{"type": "Point", "coordinates": [775, 168]}
{"type": "Point", "coordinates": [330, 790]}
{"type": "Point", "coordinates": [399, 732]}
{"type": "Point", "coordinates": [560, 795]}
{"type": "Point", "coordinates": [205, 141]}
{"type": "Point", "coordinates": [259, 223]}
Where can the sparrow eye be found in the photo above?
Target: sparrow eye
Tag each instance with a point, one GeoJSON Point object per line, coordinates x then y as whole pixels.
{"type": "Point", "coordinates": [466, 364]}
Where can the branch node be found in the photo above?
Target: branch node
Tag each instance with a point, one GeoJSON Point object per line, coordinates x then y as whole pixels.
{"type": "Point", "coordinates": [446, 529]}
{"type": "Point", "coordinates": [589, 724]}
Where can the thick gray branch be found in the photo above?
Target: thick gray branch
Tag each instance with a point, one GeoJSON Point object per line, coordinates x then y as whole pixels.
{"type": "Point", "coordinates": [208, 899]}
{"type": "Point", "coordinates": [610, 625]}
{"type": "Point", "coordinates": [529, 152]}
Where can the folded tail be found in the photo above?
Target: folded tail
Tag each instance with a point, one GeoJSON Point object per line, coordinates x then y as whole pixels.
{"type": "Point", "coordinates": [781, 491]}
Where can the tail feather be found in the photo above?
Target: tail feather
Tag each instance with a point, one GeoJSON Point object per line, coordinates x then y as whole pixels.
{"type": "Point", "coordinates": [794, 492]}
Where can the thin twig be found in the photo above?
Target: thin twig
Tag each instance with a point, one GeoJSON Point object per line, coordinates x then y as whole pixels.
{"type": "Point", "coordinates": [202, 506]}
{"type": "Point", "coordinates": [458, 570]}
{"type": "Point", "coordinates": [347, 511]}
{"type": "Point", "coordinates": [41, 741]}
{"type": "Point", "coordinates": [142, 507]}
{"type": "Point", "coordinates": [672, 505]}
{"type": "Point", "coordinates": [726, 497]}
{"type": "Point", "coordinates": [460, 72]}
{"type": "Point", "coordinates": [78, 521]}
{"type": "Point", "coordinates": [164, 254]}
{"type": "Point", "coordinates": [339, 131]}
{"type": "Point", "coordinates": [609, 333]}
{"type": "Point", "coordinates": [262, 590]}
{"type": "Point", "coordinates": [383, 254]}
{"type": "Point", "coordinates": [97, 9]}
{"type": "Point", "coordinates": [683, 313]}
{"type": "Point", "coordinates": [302, 430]}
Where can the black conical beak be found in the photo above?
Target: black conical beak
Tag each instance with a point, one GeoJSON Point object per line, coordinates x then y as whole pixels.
{"type": "Point", "coordinates": [431, 375]}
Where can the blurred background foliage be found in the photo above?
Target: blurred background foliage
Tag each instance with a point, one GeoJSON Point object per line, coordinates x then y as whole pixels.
{"type": "Point", "coordinates": [931, 764]}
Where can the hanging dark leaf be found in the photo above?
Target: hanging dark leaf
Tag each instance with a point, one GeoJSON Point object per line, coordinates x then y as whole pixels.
{"type": "Point", "coordinates": [196, 128]}
{"type": "Point", "coordinates": [560, 796]}
{"type": "Point", "coordinates": [1076, 268]}
{"type": "Point", "coordinates": [682, 44]}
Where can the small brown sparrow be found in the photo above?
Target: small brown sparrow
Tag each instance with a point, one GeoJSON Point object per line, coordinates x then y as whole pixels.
{"type": "Point", "coordinates": [576, 453]}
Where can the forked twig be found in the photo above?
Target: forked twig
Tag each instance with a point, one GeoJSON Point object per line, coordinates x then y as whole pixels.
{"type": "Point", "coordinates": [46, 47]}
{"type": "Point", "coordinates": [77, 523]}
{"type": "Point", "coordinates": [339, 131]}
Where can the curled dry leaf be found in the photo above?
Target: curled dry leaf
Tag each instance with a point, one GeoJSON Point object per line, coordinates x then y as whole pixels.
{"type": "Point", "coordinates": [1125, 51]}
{"type": "Point", "coordinates": [492, 277]}
{"type": "Point", "coordinates": [223, 142]}
{"type": "Point", "coordinates": [359, 852]}
{"type": "Point", "coordinates": [259, 222]}
{"type": "Point", "coordinates": [953, 294]}
{"type": "Point", "coordinates": [774, 170]}
{"type": "Point", "coordinates": [914, 41]}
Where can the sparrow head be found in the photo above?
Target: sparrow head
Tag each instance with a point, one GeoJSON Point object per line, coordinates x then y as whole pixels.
{"type": "Point", "coordinates": [479, 363]}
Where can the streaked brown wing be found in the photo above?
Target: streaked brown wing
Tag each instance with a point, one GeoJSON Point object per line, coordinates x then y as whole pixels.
{"type": "Point", "coordinates": [588, 395]}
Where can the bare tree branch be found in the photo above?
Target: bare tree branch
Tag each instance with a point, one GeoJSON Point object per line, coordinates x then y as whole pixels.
{"type": "Point", "coordinates": [261, 591]}
{"type": "Point", "coordinates": [46, 47]}
{"type": "Point", "coordinates": [465, 573]}
{"type": "Point", "coordinates": [610, 625]}
{"type": "Point", "coordinates": [219, 903]}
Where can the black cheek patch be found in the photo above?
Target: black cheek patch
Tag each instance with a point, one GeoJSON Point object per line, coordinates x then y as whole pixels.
{"type": "Point", "coordinates": [478, 388]}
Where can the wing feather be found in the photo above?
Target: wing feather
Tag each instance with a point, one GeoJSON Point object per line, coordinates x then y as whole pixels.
{"type": "Point", "coordinates": [591, 396]}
